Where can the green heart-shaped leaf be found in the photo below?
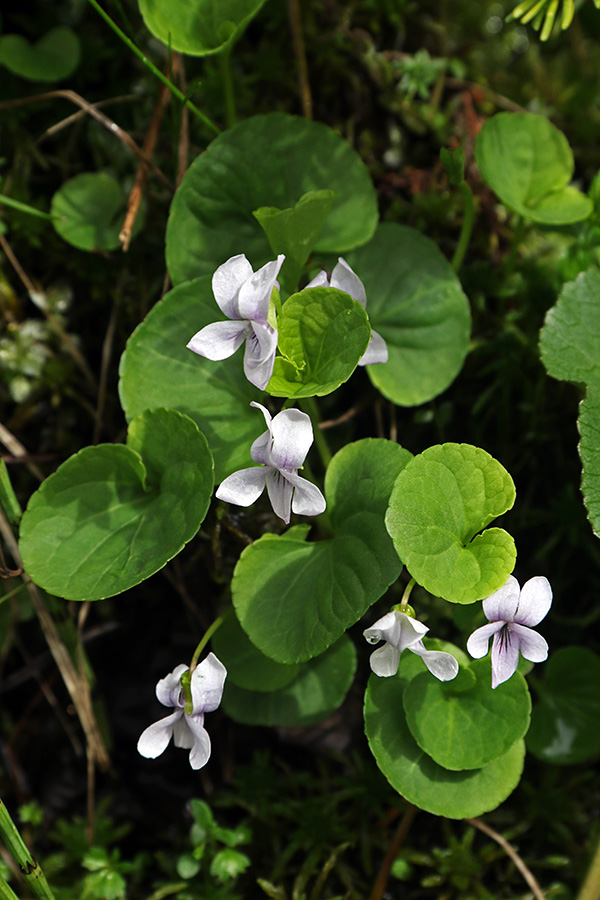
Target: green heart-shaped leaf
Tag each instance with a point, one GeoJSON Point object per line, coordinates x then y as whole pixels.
{"type": "Point", "coordinates": [271, 160]}
{"type": "Point", "coordinates": [413, 773]}
{"type": "Point", "coordinates": [158, 370]}
{"type": "Point", "coordinates": [247, 667]}
{"type": "Point", "coordinates": [55, 56]}
{"type": "Point", "coordinates": [198, 27]}
{"type": "Point", "coordinates": [88, 211]}
{"type": "Point", "coordinates": [440, 504]}
{"type": "Point", "coordinates": [322, 334]}
{"type": "Point", "coordinates": [293, 598]}
{"type": "Point", "coordinates": [570, 349]}
{"type": "Point", "coordinates": [528, 163]}
{"type": "Point", "coordinates": [319, 688]}
{"type": "Point", "coordinates": [418, 306]}
{"type": "Point", "coordinates": [294, 231]}
{"type": "Point", "coordinates": [467, 729]}
{"type": "Point", "coordinates": [112, 515]}
{"type": "Point", "coordinates": [564, 724]}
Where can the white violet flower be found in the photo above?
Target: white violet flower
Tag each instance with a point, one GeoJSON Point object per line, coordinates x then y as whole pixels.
{"type": "Point", "coordinates": [401, 632]}
{"type": "Point", "coordinates": [188, 731]}
{"type": "Point", "coordinates": [510, 613]}
{"type": "Point", "coordinates": [344, 279]}
{"type": "Point", "coordinates": [281, 450]}
{"type": "Point", "coordinates": [245, 297]}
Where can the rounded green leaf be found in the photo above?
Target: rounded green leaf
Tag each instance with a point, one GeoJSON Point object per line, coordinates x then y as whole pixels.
{"type": "Point", "coordinates": [198, 27]}
{"type": "Point", "coordinates": [415, 775]}
{"type": "Point", "coordinates": [88, 211]}
{"type": "Point", "coordinates": [112, 515]}
{"type": "Point", "coordinates": [440, 504]}
{"type": "Point", "coordinates": [293, 598]}
{"type": "Point", "coordinates": [270, 160]}
{"type": "Point", "coordinates": [158, 370]}
{"type": "Point", "coordinates": [467, 726]}
{"type": "Point", "coordinates": [418, 306]}
{"type": "Point", "coordinates": [318, 690]}
{"type": "Point", "coordinates": [246, 666]}
{"type": "Point", "coordinates": [54, 57]}
{"type": "Point", "coordinates": [322, 334]}
{"type": "Point", "coordinates": [570, 349]}
{"type": "Point", "coordinates": [528, 162]}
{"type": "Point", "coordinates": [564, 724]}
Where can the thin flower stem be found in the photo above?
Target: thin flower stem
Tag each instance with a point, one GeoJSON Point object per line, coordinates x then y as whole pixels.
{"type": "Point", "coordinates": [406, 594]}
{"type": "Point", "coordinates": [517, 239]}
{"type": "Point", "coordinates": [30, 869]}
{"type": "Point", "coordinates": [150, 65]}
{"type": "Point", "coordinates": [310, 407]}
{"type": "Point", "coordinates": [590, 889]}
{"type": "Point", "coordinates": [467, 226]}
{"type": "Point", "coordinates": [207, 636]}
{"type": "Point", "coordinates": [227, 81]}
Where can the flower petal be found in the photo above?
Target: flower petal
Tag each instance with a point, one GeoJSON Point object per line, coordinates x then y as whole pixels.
{"type": "Point", "coordinates": [505, 655]}
{"type": "Point", "coordinates": [292, 435]}
{"type": "Point", "coordinates": [502, 604]}
{"type": "Point", "coordinates": [478, 643]}
{"type": "Point", "coordinates": [307, 499]}
{"type": "Point", "coordinates": [219, 340]}
{"type": "Point", "coordinates": [182, 736]}
{"type": "Point", "coordinates": [255, 293]}
{"type": "Point", "coordinates": [534, 602]}
{"type": "Point", "coordinates": [344, 279]}
{"type": "Point", "coordinates": [259, 356]}
{"type": "Point", "coordinates": [397, 629]}
{"type": "Point", "coordinates": [384, 661]}
{"type": "Point", "coordinates": [531, 644]}
{"type": "Point", "coordinates": [208, 679]}
{"type": "Point", "coordinates": [155, 738]}
{"type": "Point", "coordinates": [411, 630]}
{"type": "Point", "coordinates": [200, 752]}
{"type": "Point", "coordinates": [320, 280]}
{"type": "Point", "coordinates": [441, 664]}
{"type": "Point", "coordinates": [226, 284]}
{"type": "Point", "coordinates": [244, 487]}
{"type": "Point", "coordinates": [168, 689]}
{"type": "Point", "coordinates": [280, 493]}
{"type": "Point", "coordinates": [376, 352]}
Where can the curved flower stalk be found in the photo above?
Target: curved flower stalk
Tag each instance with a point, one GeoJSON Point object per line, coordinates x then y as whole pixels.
{"type": "Point", "coordinates": [281, 450]}
{"type": "Point", "coordinates": [510, 613]}
{"type": "Point", "coordinates": [401, 632]}
{"type": "Point", "coordinates": [344, 279]}
{"type": "Point", "coordinates": [244, 296]}
{"type": "Point", "coordinates": [187, 731]}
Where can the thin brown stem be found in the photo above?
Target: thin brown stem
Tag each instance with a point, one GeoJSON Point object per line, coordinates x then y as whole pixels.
{"type": "Point", "coordinates": [512, 853]}
{"type": "Point", "coordinates": [75, 117]}
{"type": "Point", "coordinates": [104, 364]}
{"type": "Point", "coordinates": [383, 876]}
{"type": "Point", "coordinates": [18, 450]}
{"type": "Point", "coordinates": [135, 196]}
{"type": "Point", "coordinates": [91, 109]}
{"type": "Point", "coordinates": [300, 51]}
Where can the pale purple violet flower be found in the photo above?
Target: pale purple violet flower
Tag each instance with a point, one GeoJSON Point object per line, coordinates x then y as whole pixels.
{"type": "Point", "coordinates": [511, 613]}
{"type": "Point", "coordinates": [281, 450]}
{"type": "Point", "coordinates": [344, 279]}
{"type": "Point", "coordinates": [401, 632]}
{"type": "Point", "coordinates": [187, 731]}
{"type": "Point", "coordinates": [244, 297]}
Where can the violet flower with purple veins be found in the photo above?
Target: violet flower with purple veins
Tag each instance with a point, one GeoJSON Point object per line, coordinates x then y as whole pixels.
{"type": "Point", "coordinates": [244, 296]}
{"type": "Point", "coordinates": [510, 613]}
{"type": "Point", "coordinates": [402, 632]}
{"type": "Point", "coordinates": [344, 279]}
{"type": "Point", "coordinates": [281, 450]}
{"type": "Point", "coordinates": [187, 731]}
